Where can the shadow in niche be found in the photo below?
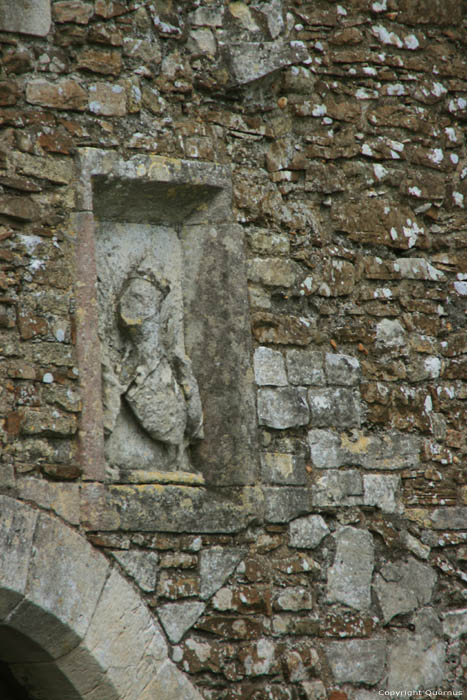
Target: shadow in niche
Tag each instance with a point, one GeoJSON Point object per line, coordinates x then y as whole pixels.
{"type": "Point", "coordinates": [27, 672]}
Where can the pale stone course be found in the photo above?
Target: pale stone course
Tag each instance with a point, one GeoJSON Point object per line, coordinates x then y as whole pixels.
{"type": "Point", "coordinates": [269, 367]}
{"type": "Point", "coordinates": [349, 578]}
{"type": "Point", "coordinates": [307, 533]}
{"type": "Point", "coordinates": [357, 660]}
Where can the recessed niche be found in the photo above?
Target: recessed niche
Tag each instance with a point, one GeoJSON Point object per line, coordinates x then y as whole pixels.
{"type": "Point", "coordinates": [173, 321]}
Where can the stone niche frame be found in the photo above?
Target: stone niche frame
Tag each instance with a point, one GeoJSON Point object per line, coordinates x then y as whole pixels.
{"type": "Point", "coordinates": [194, 199]}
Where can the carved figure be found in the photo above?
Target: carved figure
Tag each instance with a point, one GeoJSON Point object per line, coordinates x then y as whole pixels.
{"type": "Point", "coordinates": [148, 368]}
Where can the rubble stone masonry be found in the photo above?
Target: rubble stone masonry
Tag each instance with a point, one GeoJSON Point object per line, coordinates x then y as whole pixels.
{"type": "Point", "coordinates": [322, 555]}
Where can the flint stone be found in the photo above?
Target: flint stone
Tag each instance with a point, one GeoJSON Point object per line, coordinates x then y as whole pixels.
{"type": "Point", "coordinates": [417, 660]}
{"type": "Point", "coordinates": [307, 533]}
{"type": "Point", "coordinates": [339, 408]}
{"type": "Point", "coordinates": [340, 488]}
{"type": "Point", "coordinates": [455, 623]}
{"type": "Point", "coordinates": [305, 367]}
{"type": "Point", "coordinates": [216, 565]}
{"type": "Point", "coordinates": [26, 17]}
{"type": "Point", "coordinates": [272, 272]}
{"type": "Point", "coordinates": [404, 586]}
{"type": "Point", "coordinates": [342, 369]}
{"type": "Point", "coordinates": [178, 617]}
{"type": "Point", "coordinates": [381, 490]}
{"type": "Point", "coordinates": [141, 566]}
{"type": "Point", "coordinates": [349, 578]}
{"type": "Point", "coordinates": [357, 661]}
{"type": "Point", "coordinates": [283, 407]}
{"type": "Point", "coordinates": [279, 468]}
{"type": "Point", "coordinates": [269, 367]}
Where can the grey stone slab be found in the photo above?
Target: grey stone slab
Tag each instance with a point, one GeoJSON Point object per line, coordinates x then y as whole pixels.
{"type": "Point", "coordinates": [17, 526]}
{"type": "Point", "coordinates": [250, 61]}
{"type": "Point", "coordinates": [381, 490]}
{"type": "Point", "coordinates": [349, 578]}
{"type": "Point", "coordinates": [269, 367]}
{"type": "Point", "coordinates": [141, 566]}
{"type": "Point", "coordinates": [305, 367]}
{"type": "Point", "coordinates": [342, 369]}
{"type": "Point", "coordinates": [25, 17]}
{"type": "Point", "coordinates": [450, 518]}
{"type": "Point", "coordinates": [307, 533]}
{"type": "Point", "coordinates": [418, 660]}
{"type": "Point", "coordinates": [393, 450]}
{"type": "Point", "coordinates": [177, 618]}
{"type": "Point", "coordinates": [284, 503]}
{"type": "Point", "coordinates": [218, 340]}
{"type": "Point", "coordinates": [338, 488]}
{"type": "Point", "coordinates": [338, 408]}
{"type": "Point", "coordinates": [284, 407]}
{"type": "Point", "coordinates": [124, 639]}
{"type": "Point", "coordinates": [215, 566]}
{"type": "Point", "coordinates": [169, 508]}
{"type": "Point", "coordinates": [65, 579]}
{"type": "Point", "coordinates": [404, 586]}
{"type": "Point", "coordinates": [357, 660]}
{"type": "Point", "coordinates": [283, 468]}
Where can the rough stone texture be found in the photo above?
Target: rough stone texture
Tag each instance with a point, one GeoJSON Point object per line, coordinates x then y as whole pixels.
{"type": "Point", "coordinates": [342, 369]}
{"type": "Point", "coordinates": [394, 450]}
{"type": "Point", "coordinates": [26, 18]}
{"type": "Point", "coordinates": [62, 94]}
{"type": "Point", "coordinates": [417, 660]}
{"type": "Point", "coordinates": [404, 586]}
{"type": "Point", "coordinates": [357, 661]}
{"type": "Point", "coordinates": [285, 503]}
{"type": "Point", "coordinates": [343, 488]}
{"type": "Point", "coordinates": [141, 566]}
{"type": "Point", "coordinates": [269, 367]}
{"type": "Point", "coordinates": [216, 565]}
{"type": "Point", "coordinates": [278, 468]}
{"type": "Point", "coordinates": [381, 490]}
{"type": "Point", "coordinates": [349, 578]}
{"type": "Point", "coordinates": [455, 623]}
{"type": "Point", "coordinates": [282, 408]}
{"type": "Point", "coordinates": [305, 367]}
{"type": "Point", "coordinates": [337, 407]}
{"type": "Point", "coordinates": [177, 618]}
{"type": "Point", "coordinates": [308, 532]}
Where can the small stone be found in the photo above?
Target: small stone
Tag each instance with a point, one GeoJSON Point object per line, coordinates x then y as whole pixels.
{"type": "Point", "coordinates": [294, 598]}
{"type": "Point", "coordinates": [9, 93]}
{"type": "Point", "coordinates": [357, 660]}
{"type": "Point", "coordinates": [455, 623]}
{"type": "Point", "coordinates": [61, 94]}
{"type": "Point", "coordinates": [107, 99]}
{"type": "Point", "coordinates": [349, 578]}
{"type": "Point", "coordinates": [177, 618]}
{"type": "Point", "coordinates": [341, 487]}
{"type": "Point", "coordinates": [307, 533]}
{"type": "Point", "coordinates": [19, 208]}
{"type": "Point", "coordinates": [381, 490]}
{"type": "Point", "coordinates": [338, 408]}
{"type": "Point", "coordinates": [342, 369]}
{"type": "Point", "coordinates": [314, 690]}
{"type": "Point", "coordinates": [141, 566]}
{"type": "Point", "coordinates": [280, 468]}
{"type": "Point", "coordinates": [391, 334]}
{"type": "Point", "coordinates": [100, 61]}
{"type": "Point", "coordinates": [403, 587]}
{"type": "Point", "coordinates": [25, 17]}
{"type": "Point", "coordinates": [216, 565]}
{"type": "Point", "coordinates": [72, 11]}
{"type": "Point", "coordinates": [274, 272]}
{"type": "Point", "coordinates": [285, 503]}
{"type": "Point", "coordinates": [305, 367]}
{"type": "Point", "coordinates": [269, 367]}
{"type": "Point", "coordinates": [282, 408]}
{"type": "Point", "coordinates": [450, 518]}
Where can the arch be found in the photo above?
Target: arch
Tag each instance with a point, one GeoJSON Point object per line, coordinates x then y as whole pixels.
{"type": "Point", "coordinates": [71, 627]}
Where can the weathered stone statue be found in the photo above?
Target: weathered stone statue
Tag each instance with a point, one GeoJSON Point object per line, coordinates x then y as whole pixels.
{"type": "Point", "coordinates": [146, 369]}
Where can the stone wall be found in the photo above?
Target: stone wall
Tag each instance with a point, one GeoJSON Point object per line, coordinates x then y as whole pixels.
{"type": "Point", "coordinates": [334, 566]}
